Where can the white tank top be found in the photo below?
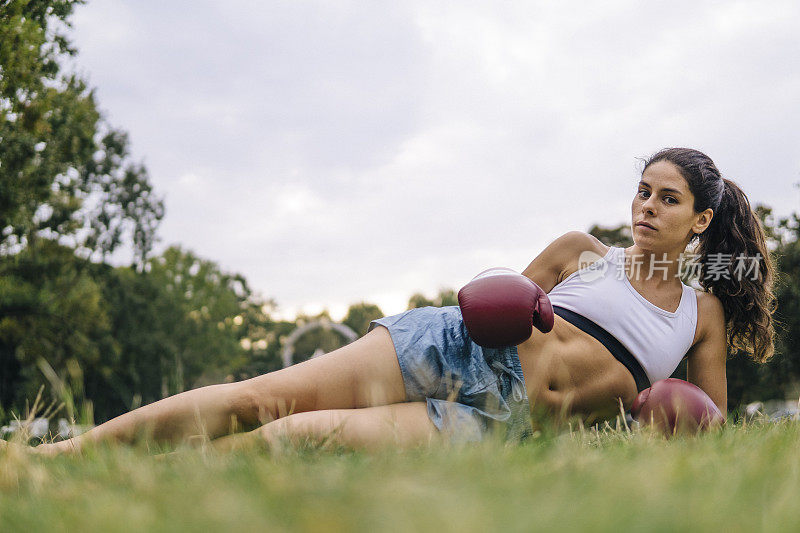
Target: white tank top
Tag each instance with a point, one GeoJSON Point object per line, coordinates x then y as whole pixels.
{"type": "Point", "coordinates": [602, 293]}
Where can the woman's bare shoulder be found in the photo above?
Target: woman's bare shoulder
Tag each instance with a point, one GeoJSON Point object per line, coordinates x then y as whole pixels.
{"type": "Point", "coordinates": [562, 257]}
{"type": "Point", "coordinates": [579, 243]}
{"type": "Point", "coordinates": [710, 314]}
{"type": "Point", "coordinates": [708, 303]}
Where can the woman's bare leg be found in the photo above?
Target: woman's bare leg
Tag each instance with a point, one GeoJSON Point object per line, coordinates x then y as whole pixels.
{"type": "Point", "coordinates": [401, 425]}
{"type": "Point", "coordinates": [362, 374]}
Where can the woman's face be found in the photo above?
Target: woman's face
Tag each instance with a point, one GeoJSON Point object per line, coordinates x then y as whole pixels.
{"type": "Point", "coordinates": [664, 201]}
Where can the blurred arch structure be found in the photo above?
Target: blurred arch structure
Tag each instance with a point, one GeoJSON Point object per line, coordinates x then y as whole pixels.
{"type": "Point", "coordinates": [325, 324]}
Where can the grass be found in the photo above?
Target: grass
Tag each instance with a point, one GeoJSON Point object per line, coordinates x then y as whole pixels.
{"type": "Point", "coordinates": [742, 478]}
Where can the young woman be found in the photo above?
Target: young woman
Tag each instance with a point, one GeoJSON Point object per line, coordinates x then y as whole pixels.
{"type": "Point", "coordinates": [622, 320]}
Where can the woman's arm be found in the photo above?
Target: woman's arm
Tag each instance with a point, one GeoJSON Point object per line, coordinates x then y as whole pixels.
{"type": "Point", "coordinates": [705, 365]}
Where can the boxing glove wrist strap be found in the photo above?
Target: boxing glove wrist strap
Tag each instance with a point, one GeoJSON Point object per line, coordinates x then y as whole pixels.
{"type": "Point", "coordinates": [617, 349]}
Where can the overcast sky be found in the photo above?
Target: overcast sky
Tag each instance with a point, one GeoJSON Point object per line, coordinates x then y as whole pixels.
{"type": "Point", "coordinates": [337, 151]}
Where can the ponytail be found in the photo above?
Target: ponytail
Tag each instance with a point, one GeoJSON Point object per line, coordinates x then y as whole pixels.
{"type": "Point", "coordinates": [735, 237]}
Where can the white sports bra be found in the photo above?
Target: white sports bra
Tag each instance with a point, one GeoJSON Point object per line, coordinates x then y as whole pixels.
{"type": "Point", "coordinates": [602, 293]}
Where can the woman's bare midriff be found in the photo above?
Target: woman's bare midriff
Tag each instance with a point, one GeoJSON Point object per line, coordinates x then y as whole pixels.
{"type": "Point", "coordinates": [567, 371]}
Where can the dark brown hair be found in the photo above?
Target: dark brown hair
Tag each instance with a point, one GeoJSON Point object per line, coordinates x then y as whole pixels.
{"type": "Point", "coordinates": [736, 234]}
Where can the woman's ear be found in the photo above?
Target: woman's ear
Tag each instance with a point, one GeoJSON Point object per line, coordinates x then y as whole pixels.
{"type": "Point", "coordinates": [703, 220]}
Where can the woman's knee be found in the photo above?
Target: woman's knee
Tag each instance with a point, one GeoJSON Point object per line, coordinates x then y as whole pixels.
{"type": "Point", "coordinates": [312, 423]}
{"type": "Point", "coordinates": [245, 405]}
{"type": "Point", "coordinates": [295, 428]}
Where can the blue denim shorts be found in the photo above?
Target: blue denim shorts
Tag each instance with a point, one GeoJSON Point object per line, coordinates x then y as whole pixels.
{"type": "Point", "coordinates": [470, 391]}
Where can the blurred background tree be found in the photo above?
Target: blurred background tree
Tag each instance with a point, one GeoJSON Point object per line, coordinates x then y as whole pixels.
{"type": "Point", "coordinates": [54, 327]}
{"type": "Point", "coordinates": [444, 298]}
{"type": "Point", "coordinates": [360, 315]}
{"type": "Point", "coordinates": [66, 174]}
{"type": "Point", "coordinates": [619, 236]}
{"type": "Point", "coordinates": [779, 378]}
{"type": "Point", "coordinates": [68, 193]}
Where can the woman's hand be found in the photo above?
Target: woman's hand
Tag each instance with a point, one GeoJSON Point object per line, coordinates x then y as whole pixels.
{"type": "Point", "coordinates": [500, 308]}
{"type": "Point", "coordinates": [676, 406]}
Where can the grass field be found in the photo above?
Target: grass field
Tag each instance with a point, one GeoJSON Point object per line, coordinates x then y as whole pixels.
{"type": "Point", "coordinates": [742, 478]}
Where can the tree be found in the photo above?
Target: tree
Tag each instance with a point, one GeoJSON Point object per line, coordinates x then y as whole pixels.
{"type": "Point", "coordinates": [261, 337]}
{"type": "Point", "coordinates": [178, 325]}
{"type": "Point", "coordinates": [54, 327]}
{"type": "Point", "coordinates": [618, 236]}
{"type": "Point", "coordinates": [67, 186]}
{"type": "Point", "coordinates": [787, 293]}
{"type": "Point", "coordinates": [360, 315]}
{"type": "Point", "coordinates": [203, 326]}
{"type": "Point", "coordinates": [142, 317]}
{"type": "Point", "coordinates": [445, 297]}
{"type": "Point", "coordinates": [65, 174]}
{"type": "Point", "coordinates": [779, 378]}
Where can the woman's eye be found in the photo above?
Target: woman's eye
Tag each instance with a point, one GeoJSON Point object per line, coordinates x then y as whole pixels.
{"type": "Point", "coordinates": [670, 200]}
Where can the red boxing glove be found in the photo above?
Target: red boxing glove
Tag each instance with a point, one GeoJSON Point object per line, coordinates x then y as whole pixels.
{"type": "Point", "coordinates": [676, 406]}
{"type": "Point", "coordinates": [500, 308]}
